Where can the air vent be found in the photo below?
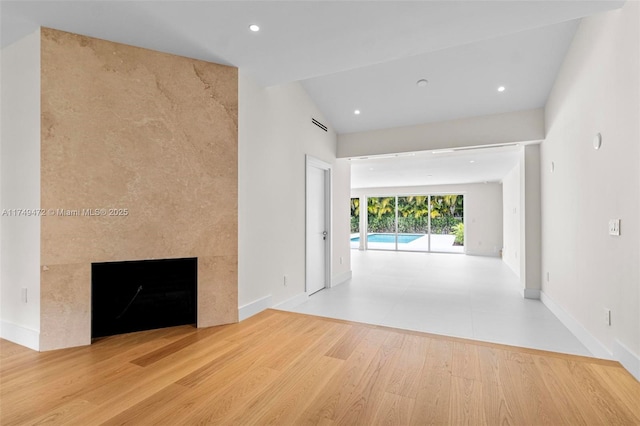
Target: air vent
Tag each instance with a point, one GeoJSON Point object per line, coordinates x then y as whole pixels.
{"type": "Point", "coordinates": [319, 124]}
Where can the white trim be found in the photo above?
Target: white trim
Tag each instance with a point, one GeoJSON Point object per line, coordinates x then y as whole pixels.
{"type": "Point", "coordinates": [341, 278]}
{"type": "Point", "coordinates": [293, 302]}
{"type": "Point", "coordinates": [629, 360]}
{"type": "Point", "coordinates": [328, 176]}
{"type": "Point", "coordinates": [21, 335]}
{"type": "Point", "coordinates": [312, 161]}
{"type": "Point", "coordinates": [480, 253]}
{"type": "Point", "coordinates": [578, 330]}
{"type": "Point", "coordinates": [531, 293]}
{"type": "Point", "coordinates": [255, 307]}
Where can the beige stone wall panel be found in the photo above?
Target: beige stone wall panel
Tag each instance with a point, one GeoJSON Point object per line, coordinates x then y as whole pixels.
{"type": "Point", "coordinates": [156, 134]}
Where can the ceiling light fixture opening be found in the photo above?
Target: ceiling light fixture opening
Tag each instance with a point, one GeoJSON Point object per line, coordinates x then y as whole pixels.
{"type": "Point", "coordinates": [422, 82]}
{"type": "Point", "coordinates": [501, 89]}
{"type": "Point", "coordinates": [254, 28]}
{"type": "Point", "coordinates": [356, 112]}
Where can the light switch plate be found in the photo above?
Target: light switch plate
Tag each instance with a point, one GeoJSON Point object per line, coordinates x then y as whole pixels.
{"type": "Point", "coordinates": [614, 227]}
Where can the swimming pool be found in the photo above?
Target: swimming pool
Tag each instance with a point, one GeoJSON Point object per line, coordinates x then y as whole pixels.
{"type": "Point", "coordinates": [390, 238]}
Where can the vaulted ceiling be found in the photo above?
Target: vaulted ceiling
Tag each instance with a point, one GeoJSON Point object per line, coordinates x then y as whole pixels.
{"type": "Point", "coordinates": [365, 55]}
{"type": "Point", "coordinates": [349, 55]}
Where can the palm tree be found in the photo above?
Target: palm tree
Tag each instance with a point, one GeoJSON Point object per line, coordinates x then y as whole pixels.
{"type": "Point", "coordinates": [413, 205]}
{"type": "Point", "coordinates": [413, 214]}
{"type": "Point", "coordinates": [355, 207]}
{"type": "Point", "coordinates": [437, 206]}
{"type": "Point", "coordinates": [381, 214]}
{"type": "Point", "coordinates": [453, 203]}
{"type": "Point", "coordinates": [355, 215]}
{"type": "Point", "coordinates": [381, 206]}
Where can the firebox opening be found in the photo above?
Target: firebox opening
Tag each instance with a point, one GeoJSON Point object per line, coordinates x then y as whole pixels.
{"type": "Point", "coordinates": [142, 295]}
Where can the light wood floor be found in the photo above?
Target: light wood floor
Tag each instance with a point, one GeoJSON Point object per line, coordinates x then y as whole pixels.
{"type": "Point", "coordinates": [285, 368]}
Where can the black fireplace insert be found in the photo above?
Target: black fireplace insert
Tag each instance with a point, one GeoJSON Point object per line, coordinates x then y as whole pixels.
{"type": "Point", "coordinates": [142, 295]}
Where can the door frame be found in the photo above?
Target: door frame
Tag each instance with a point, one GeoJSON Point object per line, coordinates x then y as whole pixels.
{"type": "Point", "coordinates": [311, 161]}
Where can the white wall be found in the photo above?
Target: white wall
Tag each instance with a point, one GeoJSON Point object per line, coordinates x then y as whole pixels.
{"type": "Point", "coordinates": [341, 250]}
{"type": "Point", "coordinates": [482, 211]}
{"type": "Point", "coordinates": [519, 126]}
{"type": "Point", "coordinates": [597, 90]}
{"type": "Point", "coordinates": [530, 230]}
{"type": "Point", "coordinates": [511, 219]}
{"type": "Point", "coordinates": [521, 225]}
{"type": "Point", "coordinates": [275, 133]}
{"type": "Point", "coordinates": [20, 189]}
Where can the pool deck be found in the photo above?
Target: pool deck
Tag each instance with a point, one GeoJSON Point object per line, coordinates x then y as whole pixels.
{"type": "Point", "coordinates": [439, 243]}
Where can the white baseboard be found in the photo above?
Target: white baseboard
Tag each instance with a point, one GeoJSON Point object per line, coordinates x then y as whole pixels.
{"type": "Point", "coordinates": [293, 302]}
{"type": "Point", "coordinates": [583, 335]}
{"type": "Point", "coordinates": [629, 360]}
{"type": "Point", "coordinates": [21, 335]}
{"type": "Point", "coordinates": [341, 278]}
{"type": "Point", "coordinates": [530, 293]}
{"type": "Point", "coordinates": [255, 307]}
{"type": "Point", "coordinates": [481, 253]}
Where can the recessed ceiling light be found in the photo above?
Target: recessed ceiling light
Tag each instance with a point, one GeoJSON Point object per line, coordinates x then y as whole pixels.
{"type": "Point", "coordinates": [472, 161]}
{"type": "Point", "coordinates": [356, 112]}
{"type": "Point", "coordinates": [254, 28]}
{"type": "Point", "coordinates": [501, 89]}
{"type": "Point", "coordinates": [422, 83]}
{"type": "Point", "coordinates": [370, 168]}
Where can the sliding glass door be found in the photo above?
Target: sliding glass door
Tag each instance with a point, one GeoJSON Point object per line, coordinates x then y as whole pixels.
{"type": "Point", "coordinates": [413, 223]}
{"type": "Point", "coordinates": [428, 223]}
{"type": "Point", "coordinates": [381, 223]}
{"type": "Point", "coordinates": [447, 225]}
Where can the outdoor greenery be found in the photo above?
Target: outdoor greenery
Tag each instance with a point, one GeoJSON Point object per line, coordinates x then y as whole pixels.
{"type": "Point", "coordinates": [381, 215]}
{"type": "Point", "coordinates": [413, 214]}
{"type": "Point", "coordinates": [459, 231]}
{"type": "Point", "coordinates": [355, 215]}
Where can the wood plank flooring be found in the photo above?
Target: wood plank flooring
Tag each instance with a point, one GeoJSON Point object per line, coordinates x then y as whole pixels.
{"type": "Point", "coordinates": [284, 368]}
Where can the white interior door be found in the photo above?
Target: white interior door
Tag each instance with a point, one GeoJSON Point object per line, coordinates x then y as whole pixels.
{"type": "Point", "coordinates": [318, 237]}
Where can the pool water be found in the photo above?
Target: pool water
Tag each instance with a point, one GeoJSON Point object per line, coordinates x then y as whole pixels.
{"type": "Point", "coordinates": [390, 238]}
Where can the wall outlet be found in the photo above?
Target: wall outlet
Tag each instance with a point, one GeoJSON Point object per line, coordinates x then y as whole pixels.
{"type": "Point", "coordinates": [606, 316]}
{"type": "Point", "coordinates": [614, 227]}
{"type": "Point", "coordinates": [284, 280]}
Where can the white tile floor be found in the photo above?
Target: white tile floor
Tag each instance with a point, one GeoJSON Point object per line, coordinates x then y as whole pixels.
{"type": "Point", "coordinates": [451, 294]}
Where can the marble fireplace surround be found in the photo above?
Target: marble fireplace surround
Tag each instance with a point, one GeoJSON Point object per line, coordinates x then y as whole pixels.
{"type": "Point", "coordinates": [148, 141]}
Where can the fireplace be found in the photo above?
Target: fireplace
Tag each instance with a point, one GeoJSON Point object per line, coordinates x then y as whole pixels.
{"type": "Point", "coordinates": [142, 295]}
